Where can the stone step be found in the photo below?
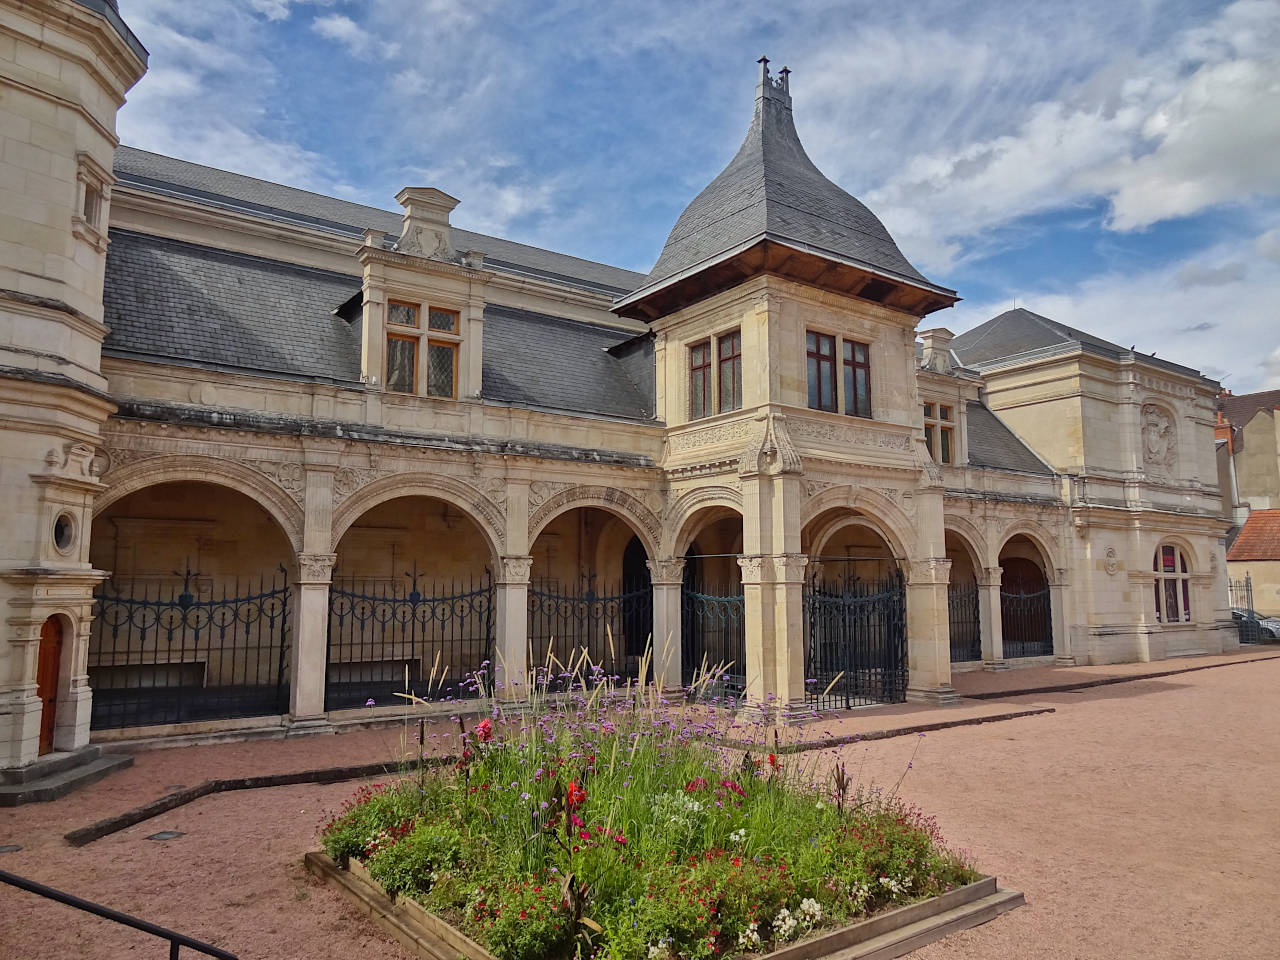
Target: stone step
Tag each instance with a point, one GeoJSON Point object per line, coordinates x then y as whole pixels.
{"type": "Point", "coordinates": [896, 943]}
{"type": "Point", "coordinates": [61, 782]}
{"type": "Point", "coordinates": [50, 764]}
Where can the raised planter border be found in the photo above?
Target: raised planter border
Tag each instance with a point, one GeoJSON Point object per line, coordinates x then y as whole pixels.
{"type": "Point", "coordinates": [892, 933]}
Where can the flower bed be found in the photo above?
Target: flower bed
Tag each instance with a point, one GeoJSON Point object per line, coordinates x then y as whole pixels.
{"type": "Point", "coordinates": [611, 828]}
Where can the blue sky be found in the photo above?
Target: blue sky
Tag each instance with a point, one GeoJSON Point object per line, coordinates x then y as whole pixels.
{"type": "Point", "coordinates": [1113, 165]}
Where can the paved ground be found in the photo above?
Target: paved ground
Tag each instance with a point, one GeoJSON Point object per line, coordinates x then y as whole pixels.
{"type": "Point", "coordinates": [1141, 819]}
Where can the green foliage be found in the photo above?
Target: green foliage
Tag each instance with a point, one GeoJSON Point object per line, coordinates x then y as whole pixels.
{"type": "Point", "coordinates": [610, 831]}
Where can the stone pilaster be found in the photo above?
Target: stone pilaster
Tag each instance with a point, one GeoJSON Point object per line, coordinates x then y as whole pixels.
{"type": "Point", "coordinates": [511, 598]}
{"type": "Point", "coordinates": [928, 632]}
{"type": "Point", "coordinates": [667, 576]}
{"type": "Point", "coordinates": [989, 619]}
{"type": "Point", "coordinates": [1061, 632]}
{"type": "Point", "coordinates": [309, 665]}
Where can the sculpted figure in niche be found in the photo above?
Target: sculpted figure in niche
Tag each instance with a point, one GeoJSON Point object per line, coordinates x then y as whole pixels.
{"type": "Point", "coordinates": [1159, 439]}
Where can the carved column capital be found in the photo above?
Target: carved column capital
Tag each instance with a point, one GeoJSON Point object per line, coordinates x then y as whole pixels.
{"type": "Point", "coordinates": [931, 570]}
{"type": "Point", "coordinates": [990, 576]}
{"type": "Point", "coordinates": [666, 570]}
{"type": "Point", "coordinates": [516, 570]}
{"type": "Point", "coordinates": [790, 567]}
{"type": "Point", "coordinates": [752, 569]}
{"type": "Point", "coordinates": [316, 567]}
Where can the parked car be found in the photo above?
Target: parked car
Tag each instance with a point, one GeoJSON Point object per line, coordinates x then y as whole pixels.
{"type": "Point", "coordinates": [1268, 627]}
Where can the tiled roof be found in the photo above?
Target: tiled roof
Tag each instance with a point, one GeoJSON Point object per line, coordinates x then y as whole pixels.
{"type": "Point", "coordinates": [772, 190]}
{"type": "Point", "coordinates": [1259, 538]}
{"type": "Point", "coordinates": [221, 188]}
{"type": "Point", "coordinates": [1239, 410]}
{"type": "Point", "coordinates": [992, 444]}
{"type": "Point", "coordinates": [181, 303]}
{"type": "Point", "coordinates": [1019, 331]}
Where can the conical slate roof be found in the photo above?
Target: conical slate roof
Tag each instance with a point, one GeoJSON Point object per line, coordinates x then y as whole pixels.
{"type": "Point", "coordinates": [772, 191]}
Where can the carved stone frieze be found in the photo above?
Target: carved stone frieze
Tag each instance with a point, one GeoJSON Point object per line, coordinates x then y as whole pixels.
{"type": "Point", "coordinates": [1159, 440]}
{"type": "Point", "coordinates": [854, 434]}
{"type": "Point", "coordinates": [720, 433]}
{"type": "Point", "coordinates": [493, 489]}
{"type": "Point", "coordinates": [290, 475]}
{"type": "Point", "coordinates": [542, 490]}
{"type": "Point", "coordinates": [814, 487]}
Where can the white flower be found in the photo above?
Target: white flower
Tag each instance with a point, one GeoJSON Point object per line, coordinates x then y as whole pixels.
{"type": "Point", "coordinates": [738, 836]}
{"type": "Point", "coordinates": [811, 909]}
{"type": "Point", "coordinates": [751, 936]}
{"type": "Point", "coordinates": [820, 805]}
{"type": "Point", "coordinates": [654, 952]}
{"type": "Point", "coordinates": [785, 925]}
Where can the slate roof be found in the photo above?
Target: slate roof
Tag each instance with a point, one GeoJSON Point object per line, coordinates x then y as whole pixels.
{"type": "Point", "coordinates": [179, 302]}
{"type": "Point", "coordinates": [187, 304]}
{"type": "Point", "coordinates": [992, 444]}
{"type": "Point", "coordinates": [1019, 331]}
{"type": "Point", "coordinates": [221, 188]}
{"type": "Point", "coordinates": [1259, 538]}
{"type": "Point", "coordinates": [535, 360]}
{"type": "Point", "coordinates": [772, 190]}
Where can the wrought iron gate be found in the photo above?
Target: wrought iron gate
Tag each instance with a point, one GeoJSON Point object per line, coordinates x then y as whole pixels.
{"type": "Point", "coordinates": [614, 629]}
{"type": "Point", "coordinates": [712, 635]}
{"type": "Point", "coordinates": [389, 636]}
{"type": "Point", "coordinates": [855, 634]}
{"type": "Point", "coordinates": [1026, 622]}
{"type": "Point", "coordinates": [160, 653]}
{"type": "Point", "coordinates": [966, 633]}
{"type": "Point", "coordinates": [1240, 597]}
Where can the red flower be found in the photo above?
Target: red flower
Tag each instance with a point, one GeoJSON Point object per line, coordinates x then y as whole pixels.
{"type": "Point", "coordinates": [484, 730]}
{"type": "Point", "coordinates": [697, 783]}
{"type": "Point", "coordinates": [773, 761]}
{"type": "Point", "coordinates": [576, 796]}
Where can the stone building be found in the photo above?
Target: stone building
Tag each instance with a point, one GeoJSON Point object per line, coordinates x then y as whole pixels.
{"type": "Point", "coordinates": [1248, 445]}
{"type": "Point", "coordinates": [272, 454]}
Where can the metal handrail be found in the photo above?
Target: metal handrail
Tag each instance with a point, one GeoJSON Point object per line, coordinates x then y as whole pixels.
{"type": "Point", "coordinates": [176, 940]}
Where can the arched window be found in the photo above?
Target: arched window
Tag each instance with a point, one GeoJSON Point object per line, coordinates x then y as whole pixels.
{"type": "Point", "coordinates": [1173, 585]}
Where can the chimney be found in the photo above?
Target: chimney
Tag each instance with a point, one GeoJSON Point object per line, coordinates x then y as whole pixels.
{"type": "Point", "coordinates": [937, 349]}
{"type": "Point", "coordinates": [426, 223]}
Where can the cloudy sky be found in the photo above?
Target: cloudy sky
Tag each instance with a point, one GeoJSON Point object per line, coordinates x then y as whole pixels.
{"type": "Point", "coordinates": [1113, 164]}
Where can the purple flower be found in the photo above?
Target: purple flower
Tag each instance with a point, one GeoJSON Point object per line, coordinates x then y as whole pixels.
{"type": "Point", "coordinates": [369, 702]}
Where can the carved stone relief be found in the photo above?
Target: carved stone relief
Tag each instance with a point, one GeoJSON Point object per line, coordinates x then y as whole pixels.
{"type": "Point", "coordinates": [719, 433]}
{"type": "Point", "coordinates": [541, 490]}
{"type": "Point", "coordinates": [851, 434]}
{"type": "Point", "coordinates": [771, 450]}
{"type": "Point", "coordinates": [1111, 562]}
{"type": "Point", "coordinates": [1159, 440]}
{"type": "Point", "coordinates": [316, 567]}
{"type": "Point", "coordinates": [291, 475]}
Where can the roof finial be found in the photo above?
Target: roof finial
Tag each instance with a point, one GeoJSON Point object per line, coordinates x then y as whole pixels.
{"type": "Point", "coordinates": [764, 68]}
{"type": "Point", "coordinates": [784, 77]}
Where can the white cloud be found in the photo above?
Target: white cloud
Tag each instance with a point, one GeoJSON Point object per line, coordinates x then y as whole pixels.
{"type": "Point", "coordinates": [1269, 245]}
{"type": "Point", "coordinates": [1229, 328]}
{"type": "Point", "coordinates": [358, 41]}
{"type": "Point", "coordinates": [1198, 275]}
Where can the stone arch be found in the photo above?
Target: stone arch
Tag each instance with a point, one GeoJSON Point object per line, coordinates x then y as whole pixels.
{"type": "Point", "coordinates": [972, 537]}
{"type": "Point", "coordinates": [483, 512]}
{"type": "Point", "coordinates": [1182, 543]}
{"type": "Point", "coordinates": [644, 522]}
{"type": "Point", "coordinates": [179, 468]}
{"type": "Point", "coordinates": [683, 515]}
{"type": "Point", "coordinates": [890, 520]}
{"type": "Point", "coordinates": [1041, 538]}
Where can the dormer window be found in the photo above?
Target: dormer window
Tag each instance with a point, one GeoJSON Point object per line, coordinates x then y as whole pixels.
{"type": "Point", "coordinates": [405, 342]}
{"type": "Point", "coordinates": [938, 435]}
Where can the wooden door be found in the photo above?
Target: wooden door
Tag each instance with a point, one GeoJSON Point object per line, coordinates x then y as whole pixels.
{"type": "Point", "coordinates": [47, 679]}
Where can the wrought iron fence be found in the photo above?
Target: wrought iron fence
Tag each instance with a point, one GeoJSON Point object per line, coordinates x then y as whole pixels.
{"type": "Point", "coordinates": [712, 635]}
{"type": "Point", "coordinates": [966, 633]}
{"type": "Point", "coordinates": [401, 636]}
{"type": "Point", "coordinates": [159, 653]}
{"type": "Point", "coordinates": [1240, 596]}
{"type": "Point", "coordinates": [855, 635]}
{"type": "Point", "coordinates": [1026, 622]}
{"type": "Point", "coordinates": [614, 628]}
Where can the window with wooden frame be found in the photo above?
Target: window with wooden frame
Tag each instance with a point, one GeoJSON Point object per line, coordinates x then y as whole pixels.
{"type": "Point", "coordinates": [1173, 585]}
{"type": "Point", "coordinates": [729, 370]}
{"type": "Point", "coordinates": [820, 352]}
{"type": "Point", "coordinates": [939, 437]}
{"type": "Point", "coordinates": [441, 343]}
{"type": "Point", "coordinates": [857, 379]}
{"type": "Point", "coordinates": [700, 386]}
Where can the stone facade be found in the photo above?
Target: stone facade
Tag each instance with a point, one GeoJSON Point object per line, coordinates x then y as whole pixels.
{"type": "Point", "coordinates": [1072, 468]}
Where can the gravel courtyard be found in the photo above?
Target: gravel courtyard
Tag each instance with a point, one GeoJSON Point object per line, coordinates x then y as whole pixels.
{"type": "Point", "coordinates": [1141, 820]}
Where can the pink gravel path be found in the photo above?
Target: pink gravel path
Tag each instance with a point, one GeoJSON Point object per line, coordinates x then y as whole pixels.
{"type": "Point", "coordinates": [1141, 820]}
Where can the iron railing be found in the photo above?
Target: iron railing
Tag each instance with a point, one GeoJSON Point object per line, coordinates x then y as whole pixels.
{"type": "Point", "coordinates": [712, 635]}
{"type": "Point", "coordinates": [1026, 622]}
{"type": "Point", "coordinates": [434, 640]}
{"type": "Point", "coordinates": [159, 653]}
{"type": "Point", "coordinates": [966, 632]}
{"type": "Point", "coordinates": [855, 642]}
{"type": "Point", "coordinates": [1240, 596]}
{"type": "Point", "coordinates": [614, 628]}
{"type": "Point", "coordinates": [175, 940]}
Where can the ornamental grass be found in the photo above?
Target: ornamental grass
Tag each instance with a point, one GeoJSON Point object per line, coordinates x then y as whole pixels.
{"type": "Point", "coordinates": [604, 821]}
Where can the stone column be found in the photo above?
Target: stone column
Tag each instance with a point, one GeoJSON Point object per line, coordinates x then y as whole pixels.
{"type": "Point", "coordinates": [1062, 655]}
{"type": "Point", "coordinates": [511, 625]}
{"type": "Point", "coordinates": [759, 686]}
{"type": "Point", "coordinates": [667, 576]}
{"type": "Point", "coordinates": [788, 633]}
{"type": "Point", "coordinates": [989, 619]}
{"type": "Point", "coordinates": [309, 664]}
{"type": "Point", "coordinates": [929, 632]}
